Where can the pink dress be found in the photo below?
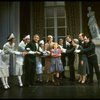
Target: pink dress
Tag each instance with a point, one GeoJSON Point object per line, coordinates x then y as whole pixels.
{"type": "Point", "coordinates": [56, 63]}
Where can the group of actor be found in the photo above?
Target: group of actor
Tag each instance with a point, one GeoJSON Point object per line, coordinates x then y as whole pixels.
{"type": "Point", "coordinates": [38, 60]}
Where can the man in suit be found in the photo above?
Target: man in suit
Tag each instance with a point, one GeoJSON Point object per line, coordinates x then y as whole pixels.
{"type": "Point", "coordinates": [92, 59]}
{"type": "Point", "coordinates": [71, 57]}
{"type": "Point", "coordinates": [30, 61]}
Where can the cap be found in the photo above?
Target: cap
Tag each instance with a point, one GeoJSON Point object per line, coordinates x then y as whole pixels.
{"type": "Point", "coordinates": [11, 36]}
{"type": "Point", "coordinates": [41, 42]}
{"type": "Point", "coordinates": [27, 37]}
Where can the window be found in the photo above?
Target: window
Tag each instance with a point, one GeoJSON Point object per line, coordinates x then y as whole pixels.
{"type": "Point", "coordinates": [55, 19]}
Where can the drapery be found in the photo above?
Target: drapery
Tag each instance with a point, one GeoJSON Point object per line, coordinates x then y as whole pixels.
{"type": "Point", "coordinates": [72, 17]}
{"type": "Point", "coordinates": [38, 18]}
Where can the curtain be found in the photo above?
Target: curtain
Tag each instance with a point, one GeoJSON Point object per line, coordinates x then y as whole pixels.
{"type": "Point", "coordinates": [72, 18]}
{"type": "Point", "coordinates": [38, 18]}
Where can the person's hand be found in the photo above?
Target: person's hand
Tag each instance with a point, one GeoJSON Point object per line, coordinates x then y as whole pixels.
{"type": "Point", "coordinates": [24, 53]}
{"type": "Point", "coordinates": [64, 50]}
{"type": "Point", "coordinates": [77, 51]}
{"type": "Point", "coordinates": [32, 52]}
{"type": "Point", "coordinates": [82, 62]}
{"type": "Point", "coordinates": [37, 52]}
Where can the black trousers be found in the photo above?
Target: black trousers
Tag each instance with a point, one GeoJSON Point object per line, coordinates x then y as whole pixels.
{"type": "Point", "coordinates": [93, 64]}
{"type": "Point", "coordinates": [29, 73]}
{"type": "Point", "coordinates": [71, 68]}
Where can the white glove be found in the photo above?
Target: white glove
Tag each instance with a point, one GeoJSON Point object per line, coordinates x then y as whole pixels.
{"type": "Point", "coordinates": [64, 50]}
{"type": "Point", "coordinates": [46, 53]}
{"type": "Point", "coordinates": [38, 53]}
{"type": "Point", "coordinates": [77, 51]}
{"type": "Point", "coordinates": [17, 52]}
{"type": "Point", "coordinates": [67, 43]}
{"type": "Point", "coordinates": [28, 49]}
{"type": "Point", "coordinates": [31, 52]}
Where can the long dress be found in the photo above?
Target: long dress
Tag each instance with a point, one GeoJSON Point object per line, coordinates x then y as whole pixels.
{"type": "Point", "coordinates": [39, 67]}
{"type": "Point", "coordinates": [19, 64]}
{"type": "Point", "coordinates": [83, 69]}
{"type": "Point", "coordinates": [48, 47]}
{"type": "Point", "coordinates": [56, 63]}
{"type": "Point", "coordinates": [9, 57]}
{"type": "Point", "coordinates": [19, 59]}
{"type": "Point", "coordinates": [4, 67]}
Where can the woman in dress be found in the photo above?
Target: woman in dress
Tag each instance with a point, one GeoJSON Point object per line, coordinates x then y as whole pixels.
{"type": "Point", "coordinates": [4, 71]}
{"type": "Point", "coordinates": [56, 64]}
{"type": "Point", "coordinates": [48, 47]}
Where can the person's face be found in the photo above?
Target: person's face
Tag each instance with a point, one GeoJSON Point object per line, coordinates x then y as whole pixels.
{"type": "Point", "coordinates": [61, 41]}
{"type": "Point", "coordinates": [27, 40]}
{"type": "Point", "coordinates": [68, 39]}
{"type": "Point", "coordinates": [81, 37]}
{"type": "Point", "coordinates": [74, 44]}
{"type": "Point", "coordinates": [55, 46]}
{"type": "Point", "coordinates": [24, 40]}
{"type": "Point", "coordinates": [12, 41]}
{"type": "Point", "coordinates": [36, 38]}
{"type": "Point", "coordinates": [42, 45]}
{"type": "Point", "coordinates": [50, 39]}
{"type": "Point", "coordinates": [86, 40]}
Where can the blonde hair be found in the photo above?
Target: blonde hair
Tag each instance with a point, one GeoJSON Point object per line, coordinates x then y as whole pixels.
{"type": "Point", "coordinates": [55, 43]}
{"type": "Point", "coordinates": [49, 37]}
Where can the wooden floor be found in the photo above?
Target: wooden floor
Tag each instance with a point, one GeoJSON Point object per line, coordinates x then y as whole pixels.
{"type": "Point", "coordinates": [66, 89]}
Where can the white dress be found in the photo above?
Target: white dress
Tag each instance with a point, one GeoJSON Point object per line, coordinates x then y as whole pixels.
{"type": "Point", "coordinates": [39, 67]}
{"type": "Point", "coordinates": [4, 67]}
{"type": "Point", "coordinates": [19, 59]}
{"type": "Point", "coordinates": [19, 64]}
{"type": "Point", "coordinates": [9, 57]}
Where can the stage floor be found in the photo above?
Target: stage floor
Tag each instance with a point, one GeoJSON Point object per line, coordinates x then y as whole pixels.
{"type": "Point", "coordinates": [67, 89]}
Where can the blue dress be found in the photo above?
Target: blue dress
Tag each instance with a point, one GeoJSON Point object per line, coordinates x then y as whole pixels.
{"type": "Point", "coordinates": [56, 63]}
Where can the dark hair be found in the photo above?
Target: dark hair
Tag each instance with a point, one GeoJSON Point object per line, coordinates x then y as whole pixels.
{"type": "Point", "coordinates": [69, 36]}
{"type": "Point", "coordinates": [88, 36]}
{"type": "Point", "coordinates": [83, 35]}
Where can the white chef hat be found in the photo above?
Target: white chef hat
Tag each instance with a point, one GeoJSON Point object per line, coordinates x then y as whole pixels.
{"type": "Point", "coordinates": [41, 42]}
{"type": "Point", "coordinates": [11, 36]}
{"type": "Point", "coordinates": [27, 37]}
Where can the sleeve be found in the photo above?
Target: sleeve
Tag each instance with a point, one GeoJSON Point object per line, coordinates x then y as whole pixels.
{"type": "Point", "coordinates": [69, 51]}
{"type": "Point", "coordinates": [7, 49]}
{"type": "Point", "coordinates": [17, 52]}
{"type": "Point", "coordinates": [91, 46]}
{"type": "Point", "coordinates": [28, 48]}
